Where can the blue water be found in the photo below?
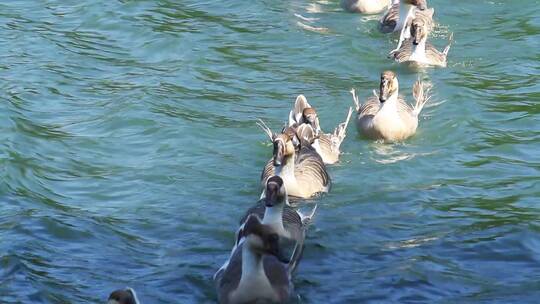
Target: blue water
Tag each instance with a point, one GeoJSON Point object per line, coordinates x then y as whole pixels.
{"type": "Point", "coordinates": [129, 150]}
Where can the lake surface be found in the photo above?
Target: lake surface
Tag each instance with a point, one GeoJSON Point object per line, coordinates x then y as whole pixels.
{"type": "Point", "coordinates": [129, 150]}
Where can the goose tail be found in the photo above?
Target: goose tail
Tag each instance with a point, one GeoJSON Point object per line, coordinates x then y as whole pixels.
{"type": "Point", "coordinates": [341, 131]}
{"type": "Point", "coordinates": [296, 113]}
{"type": "Point", "coordinates": [295, 258]}
{"type": "Point", "coordinates": [355, 100]}
{"type": "Point", "coordinates": [421, 93]}
{"type": "Point", "coordinates": [447, 48]}
{"type": "Point", "coordinates": [307, 219]}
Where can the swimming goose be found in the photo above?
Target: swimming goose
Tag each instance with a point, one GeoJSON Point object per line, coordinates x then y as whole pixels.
{"type": "Point", "coordinates": [365, 6]}
{"type": "Point", "coordinates": [396, 16]}
{"type": "Point", "coordinates": [302, 169]}
{"type": "Point", "coordinates": [417, 50]}
{"type": "Point", "coordinates": [276, 212]}
{"type": "Point", "coordinates": [123, 296]}
{"type": "Point", "coordinates": [326, 144]}
{"type": "Point", "coordinates": [388, 116]}
{"type": "Point", "coordinates": [254, 272]}
{"type": "Point", "coordinates": [425, 16]}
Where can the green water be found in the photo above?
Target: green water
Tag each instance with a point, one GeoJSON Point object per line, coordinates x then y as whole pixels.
{"type": "Point", "coordinates": [129, 150]}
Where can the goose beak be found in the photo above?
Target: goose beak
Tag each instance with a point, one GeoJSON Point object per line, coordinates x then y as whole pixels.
{"type": "Point", "coordinates": [271, 198]}
{"type": "Point", "coordinates": [278, 154]}
{"type": "Point", "coordinates": [384, 90]}
{"type": "Point", "coordinates": [278, 159]}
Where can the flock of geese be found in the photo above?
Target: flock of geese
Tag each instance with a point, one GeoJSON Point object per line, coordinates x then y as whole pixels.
{"type": "Point", "coordinates": [270, 238]}
{"type": "Point", "coordinates": [413, 20]}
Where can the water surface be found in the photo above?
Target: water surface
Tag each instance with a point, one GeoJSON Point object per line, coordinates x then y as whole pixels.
{"type": "Point", "coordinates": [129, 150]}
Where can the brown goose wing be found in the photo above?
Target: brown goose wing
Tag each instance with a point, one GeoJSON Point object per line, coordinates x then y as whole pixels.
{"type": "Point", "coordinates": [434, 54]}
{"type": "Point", "coordinates": [426, 16]}
{"type": "Point", "coordinates": [370, 107]}
{"type": "Point", "coordinates": [309, 162]}
{"type": "Point", "coordinates": [406, 112]}
{"type": "Point", "coordinates": [278, 276]}
{"type": "Point", "coordinates": [268, 171]}
{"type": "Point", "coordinates": [325, 142]}
{"type": "Point", "coordinates": [404, 52]}
{"type": "Point", "coordinates": [227, 279]}
{"type": "Point", "coordinates": [388, 22]}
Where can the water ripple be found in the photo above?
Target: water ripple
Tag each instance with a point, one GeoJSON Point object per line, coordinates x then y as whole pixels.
{"type": "Point", "coordinates": [129, 150]}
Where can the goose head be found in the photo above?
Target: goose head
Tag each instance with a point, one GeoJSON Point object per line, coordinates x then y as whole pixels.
{"type": "Point", "coordinates": [123, 296]}
{"type": "Point", "coordinates": [420, 4]}
{"type": "Point", "coordinates": [291, 132]}
{"type": "Point", "coordinates": [275, 194]}
{"type": "Point", "coordinates": [419, 30]}
{"type": "Point", "coordinates": [309, 116]}
{"type": "Point", "coordinates": [261, 239]}
{"type": "Point", "coordinates": [283, 147]}
{"type": "Point", "coordinates": [389, 86]}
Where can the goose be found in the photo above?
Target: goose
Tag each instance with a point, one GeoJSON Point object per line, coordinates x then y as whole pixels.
{"type": "Point", "coordinates": [276, 212]}
{"type": "Point", "coordinates": [425, 16]}
{"type": "Point", "coordinates": [388, 116]}
{"type": "Point", "coordinates": [254, 273]}
{"type": "Point", "coordinates": [326, 144]}
{"type": "Point", "coordinates": [301, 168]}
{"type": "Point", "coordinates": [123, 296]}
{"type": "Point", "coordinates": [417, 50]}
{"type": "Point", "coordinates": [396, 16]}
{"type": "Point", "coordinates": [365, 6]}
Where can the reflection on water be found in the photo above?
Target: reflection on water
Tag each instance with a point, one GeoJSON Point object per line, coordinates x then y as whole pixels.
{"type": "Point", "coordinates": [388, 154]}
{"type": "Point", "coordinates": [411, 243]}
{"type": "Point", "coordinates": [385, 153]}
